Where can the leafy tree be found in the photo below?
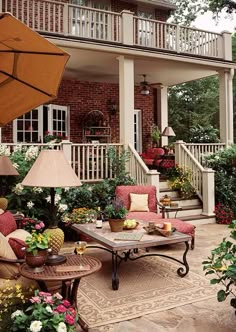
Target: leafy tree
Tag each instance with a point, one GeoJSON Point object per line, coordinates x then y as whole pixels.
{"type": "Point", "coordinates": [216, 6]}
{"type": "Point", "coordinates": [187, 11]}
{"type": "Point", "coordinates": [193, 103]}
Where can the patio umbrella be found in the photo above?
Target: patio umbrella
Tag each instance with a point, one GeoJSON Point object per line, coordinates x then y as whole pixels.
{"type": "Point", "coordinates": [30, 69]}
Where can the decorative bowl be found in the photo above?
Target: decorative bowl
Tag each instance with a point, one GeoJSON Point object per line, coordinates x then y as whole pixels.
{"type": "Point", "coordinates": [129, 228]}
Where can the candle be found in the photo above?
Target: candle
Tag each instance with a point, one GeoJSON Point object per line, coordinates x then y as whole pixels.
{"type": "Point", "coordinates": [167, 226]}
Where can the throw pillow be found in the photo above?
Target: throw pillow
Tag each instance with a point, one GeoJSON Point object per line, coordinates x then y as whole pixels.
{"type": "Point", "coordinates": [17, 246]}
{"type": "Point", "coordinates": [7, 270]}
{"type": "Point", "coordinates": [18, 234]}
{"type": "Point", "coordinates": [139, 202]}
{"type": "Point", "coordinates": [7, 223]}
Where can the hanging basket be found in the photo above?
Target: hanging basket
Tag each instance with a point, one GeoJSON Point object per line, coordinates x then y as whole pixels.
{"type": "Point", "coordinates": [116, 225]}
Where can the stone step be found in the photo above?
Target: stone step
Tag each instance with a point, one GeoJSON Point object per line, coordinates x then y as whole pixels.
{"type": "Point", "coordinates": [186, 211]}
{"type": "Point", "coordinates": [199, 219]}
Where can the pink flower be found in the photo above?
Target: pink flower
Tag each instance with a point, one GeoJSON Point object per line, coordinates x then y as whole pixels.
{"type": "Point", "coordinates": [66, 303]}
{"type": "Point", "coordinates": [48, 299]}
{"type": "Point", "coordinates": [72, 311]}
{"type": "Point", "coordinates": [41, 224]}
{"type": "Point", "coordinates": [70, 320]}
{"type": "Point", "coordinates": [35, 299]}
{"type": "Point", "coordinates": [60, 308]}
{"type": "Point", "coordinates": [37, 226]}
{"type": "Point", "coordinates": [44, 294]}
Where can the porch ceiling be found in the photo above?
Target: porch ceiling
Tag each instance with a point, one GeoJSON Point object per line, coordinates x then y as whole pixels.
{"type": "Point", "coordinates": [96, 66]}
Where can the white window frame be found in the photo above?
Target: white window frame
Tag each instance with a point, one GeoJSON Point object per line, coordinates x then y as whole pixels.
{"type": "Point", "coordinates": [41, 130]}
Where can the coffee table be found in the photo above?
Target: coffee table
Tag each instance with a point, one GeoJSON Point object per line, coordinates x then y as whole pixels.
{"type": "Point", "coordinates": [70, 279]}
{"type": "Point", "coordinates": [124, 250]}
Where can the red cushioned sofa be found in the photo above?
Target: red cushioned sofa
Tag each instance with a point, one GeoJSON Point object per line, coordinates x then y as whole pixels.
{"type": "Point", "coordinates": [123, 193]}
{"type": "Point", "coordinates": [153, 156]}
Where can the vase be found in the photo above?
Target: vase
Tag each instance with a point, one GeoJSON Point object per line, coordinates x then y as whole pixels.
{"type": "Point", "coordinates": [116, 225]}
{"type": "Point", "coordinates": [56, 239]}
{"type": "Point", "coordinates": [36, 262]}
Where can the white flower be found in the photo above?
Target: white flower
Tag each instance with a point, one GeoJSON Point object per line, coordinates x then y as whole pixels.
{"type": "Point", "coordinates": [37, 190]}
{"type": "Point", "coordinates": [57, 198]}
{"type": "Point", "coordinates": [18, 148]}
{"type": "Point", "coordinates": [62, 207]}
{"type": "Point", "coordinates": [48, 199]}
{"type": "Point", "coordinates": [18, 188]}
{"type": "Point", "coordinates": [67, 188]}
{"type": "Point", "coordinates": [4, 150]}
{"type": "Point", "coordinates": [36, 326]}
{"type": "Point", "coordinates": [61, 327]}
{"type": "Point", "coordinates": [15, 165]}
{"type": "Point", "coordinates": [30, 204]}
{"type": "Point", "coordinates": [31, 153]}
{"type": "Point", "coordinates": [16, 313]}
{"type": "Point", "coordinates": [48, 308]}
{"type": "Point", "coordinates": [217, 157]}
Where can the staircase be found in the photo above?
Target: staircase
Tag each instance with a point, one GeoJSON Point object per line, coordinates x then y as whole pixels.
{"type": "Point", "coordinates": [191, 208]}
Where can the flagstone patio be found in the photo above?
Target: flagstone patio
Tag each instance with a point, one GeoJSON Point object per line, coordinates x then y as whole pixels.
{"type": "Point", "coordinates": [208, 315]}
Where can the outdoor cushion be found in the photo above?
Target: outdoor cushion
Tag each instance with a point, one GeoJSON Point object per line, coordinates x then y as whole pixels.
{"type": "Point", "coordinates": [123, 193]}
{"type": "Point", "coordinates": [7, 270]}
{"type": "Point", "coordinates": [17, 246]}
{"type": "Point", "coordinates": [18, 234]}
{"type": "Point", "coordinates": [139, 202]}
{"type": "Point", "coordinates": [7, 223]}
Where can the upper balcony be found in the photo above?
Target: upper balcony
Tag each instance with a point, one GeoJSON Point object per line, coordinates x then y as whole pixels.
{"type": "Point", "coordinates": [69, 20]}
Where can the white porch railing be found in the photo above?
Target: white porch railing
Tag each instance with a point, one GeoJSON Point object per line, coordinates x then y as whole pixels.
{"type": "Point", "coordinates": [40, 146]}
{"type": "Point", "coordinates": [200, 150]}
{"type": "Point", "coordinates": [139, 170]}
{"type": "Point", "coordinates": [64, 19]}
{"type": "Point", "coordinates": [202, 179]}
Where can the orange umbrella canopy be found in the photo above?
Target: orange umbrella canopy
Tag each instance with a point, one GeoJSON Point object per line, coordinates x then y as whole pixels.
{"type": "Point", "coordinates": [31, 69]}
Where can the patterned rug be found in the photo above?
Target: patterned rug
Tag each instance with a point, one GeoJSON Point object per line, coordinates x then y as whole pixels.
{"type": "Point", "coordinates": [147, 285]}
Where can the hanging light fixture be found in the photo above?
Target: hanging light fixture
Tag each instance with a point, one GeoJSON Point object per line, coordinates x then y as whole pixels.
{"type": "Point", "coordinates": [145, 88]}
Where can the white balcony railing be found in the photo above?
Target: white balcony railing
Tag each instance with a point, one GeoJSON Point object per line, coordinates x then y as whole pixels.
{"type": "Point", "coordinates": [65, 19]}
{"type": "Point", "coordinates": [201, 150]}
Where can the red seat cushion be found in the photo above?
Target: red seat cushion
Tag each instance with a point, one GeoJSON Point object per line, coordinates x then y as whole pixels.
{"type": "Point", "coordinates": [7, 223]}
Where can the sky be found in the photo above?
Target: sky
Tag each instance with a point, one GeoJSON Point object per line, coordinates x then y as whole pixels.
{"type": "Point", "coordinates": [225, 23]}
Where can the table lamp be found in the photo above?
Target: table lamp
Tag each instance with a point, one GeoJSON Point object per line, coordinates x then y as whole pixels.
{"type": "Point", "coordinates": [6, 169]}
{"type": "Point", "coordinates": [168, 131]}
{"type": "Point", "coordinates": [52, 170]}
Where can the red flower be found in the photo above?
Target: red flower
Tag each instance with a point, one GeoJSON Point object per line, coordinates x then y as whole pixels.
{"type": "Point", "coordinates": [60, 308]}
{"type": "Point", "coordinates": [66, 303]}
{"type": "Point", "coordinates": [70, 319]}
{"type": "Point", "coordinates": [72, 311]}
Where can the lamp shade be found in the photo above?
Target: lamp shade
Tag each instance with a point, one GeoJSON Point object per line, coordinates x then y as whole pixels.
{"type": "Point", "coordinates": [168, 131]}
{"type": "Point", "coordinates": [51, 169]}
{"type": "Point", "coordinates": [6, 167]}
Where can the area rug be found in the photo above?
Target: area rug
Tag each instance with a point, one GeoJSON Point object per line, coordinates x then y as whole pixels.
{"type": "Point", "coordinates": [148, 285]}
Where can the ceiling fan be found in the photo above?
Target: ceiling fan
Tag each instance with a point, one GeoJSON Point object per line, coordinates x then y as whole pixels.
{"type": "Point", "coordinates": [145, 88]}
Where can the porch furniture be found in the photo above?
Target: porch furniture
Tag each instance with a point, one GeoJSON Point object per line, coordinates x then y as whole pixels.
{"type": "Point", "coordinates": [153, 157]}
{"type": "Point", "coordinates": [123, 193]}
{"type": "Point", "coordinates": [70, 279]}
{"type": "Point", "coordinates": [124, 250]}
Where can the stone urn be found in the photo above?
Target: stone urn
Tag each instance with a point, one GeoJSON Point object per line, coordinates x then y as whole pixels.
{"type": "Point", "coordinates": [36, 262]}
{"type": "Point", "coordinates": [116, 225]}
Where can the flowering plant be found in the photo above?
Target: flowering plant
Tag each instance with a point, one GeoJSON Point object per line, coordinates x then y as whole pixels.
{"type": "Point", "coordinates": [53, 137]}
{"type": "Point", "coordinates": [79, 216]}
{"type": "Point", "coordinates": [180, 179]}
{"type": "Point", "coordinates": [224, 215]}
{"type": "Point", "coordinates": [31, 224]}
{"type": "Point", "coordinates": [47, 312]}
{"type": "Point", "coordinates": [116, 210]}
{"type": "Point", "coordinates": [36, 241]}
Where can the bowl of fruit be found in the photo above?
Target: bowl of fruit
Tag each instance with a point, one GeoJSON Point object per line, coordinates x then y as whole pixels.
{"type": "Point", "coordinates": [130, 224]}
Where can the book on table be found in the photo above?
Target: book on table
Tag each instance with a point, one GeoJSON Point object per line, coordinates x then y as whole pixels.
{"type": "Point", "coordinates": [128, 236]}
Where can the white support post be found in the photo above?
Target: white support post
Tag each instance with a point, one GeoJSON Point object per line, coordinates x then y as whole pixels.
{"type": "Point", "coordinates": [226, 106]}
{"type": "Point", "coordinates": [127, 31]}
{"type": "Point", "coordinates": [227, 45]}
{"type": "Point", "coordinates": [208, 190]}
{"type": "Point", "coordinates": [153, 178]}
{"type": "Point", "coordinates": [178, 159]}
{"type": "Point", "coordinates": [164, 113]}
{"type": "Point", "coordinates": [66, 18]}
{"type": "Point", "coordinates": [66, 148]}
{"type": "Point", "coordinates": [126, 95]}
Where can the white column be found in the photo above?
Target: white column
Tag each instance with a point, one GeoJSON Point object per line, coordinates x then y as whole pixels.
{"type": "Point", "coordinates": [127, 27]}
{"type": "Point", "coordinates": [208, 191]}
{"type": "Point", "coordinates": [126, 95]}
{"type": "Point", "coordinates": [164, 113]}
{"type": "Point", "coordinates": [226, 106]}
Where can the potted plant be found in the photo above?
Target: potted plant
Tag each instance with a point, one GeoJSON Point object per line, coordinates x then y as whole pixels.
{"type": "Point", "coordinates": [36, 250]}
{"type": "Point", "coordinates": [116, 213]}
{"type": "Point", "coordinates": [46, 312]}
{"type": "Point", "coordinates": [222, 264]}
{"type": "Point", "coordinates": [155, 135]}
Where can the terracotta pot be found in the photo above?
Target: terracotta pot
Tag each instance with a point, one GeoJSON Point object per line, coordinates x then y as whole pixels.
{"type": "Point", "coordinates": [116, 224]}
{"type": "Point", "coordinates": [36, 262]}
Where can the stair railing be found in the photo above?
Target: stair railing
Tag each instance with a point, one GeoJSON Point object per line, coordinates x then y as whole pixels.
{"type": "Point", "coordinates": [201, 150]}
{"type": "Point", "coordinates": [202, 180]}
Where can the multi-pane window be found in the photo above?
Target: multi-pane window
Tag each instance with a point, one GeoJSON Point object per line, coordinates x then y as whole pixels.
{"type": "Point", "coordinates": [145, 26]}
{"type": "Point", "coordinates": [32, 126]}
{"type": "Point", "coordinates": [88, 23]}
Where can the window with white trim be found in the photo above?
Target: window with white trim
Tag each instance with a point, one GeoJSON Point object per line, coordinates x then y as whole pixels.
{"type": "Point", "coordinates": [32, 126]}
{"type": "Point", "coordinates": [146, 27]}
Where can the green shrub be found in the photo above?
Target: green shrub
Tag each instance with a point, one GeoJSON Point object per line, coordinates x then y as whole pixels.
{"type": "Point", "coordinates": [200, 134]}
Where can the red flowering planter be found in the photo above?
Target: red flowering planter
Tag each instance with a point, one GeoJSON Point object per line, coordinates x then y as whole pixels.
{"type": "Point", "coordinates": [224, 215]}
